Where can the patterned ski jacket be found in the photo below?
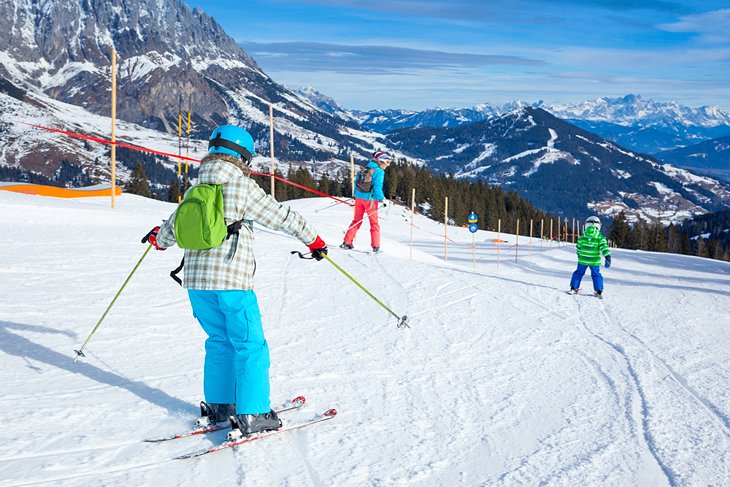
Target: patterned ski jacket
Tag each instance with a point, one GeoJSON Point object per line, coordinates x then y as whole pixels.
{"type": "Point", "coordinates": [232, 265]}
{"type": "Point", "coordinates": [376, 193]}
{"type": "Point", "coordinates": [591, 246]}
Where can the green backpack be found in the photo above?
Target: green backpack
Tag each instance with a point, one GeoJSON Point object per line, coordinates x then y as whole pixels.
{"type": "Point", "coordinates": [199, 222]}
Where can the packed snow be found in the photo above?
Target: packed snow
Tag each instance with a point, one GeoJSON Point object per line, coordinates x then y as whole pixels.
{"type": "Point", "coordinates": [502, 379]}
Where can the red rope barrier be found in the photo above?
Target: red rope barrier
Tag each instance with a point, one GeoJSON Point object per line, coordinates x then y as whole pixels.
{"type": "Point", "coordinates": [468, 245]}
{"type": "Point", "coordinates": [173, 156]}
{"type": "Point", "coordinates": [109, 142]}
{"type": "Point", "coordinates": [311, 190]}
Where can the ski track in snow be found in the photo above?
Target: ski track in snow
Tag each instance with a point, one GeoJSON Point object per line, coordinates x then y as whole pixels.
{"type": "Point", "coordinates": [630, 349]}
{"type": "Point", "coordinates": [502, 379]}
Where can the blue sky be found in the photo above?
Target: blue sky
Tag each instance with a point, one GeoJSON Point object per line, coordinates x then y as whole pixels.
{"type": "Point", "coordinates": [417, 54]}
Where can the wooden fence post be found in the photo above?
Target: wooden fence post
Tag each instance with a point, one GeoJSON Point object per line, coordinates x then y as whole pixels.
{"type": "Point", "coordinates": [271, 144]}
{"type": "Point", "coordinates": [446, 228]}
{"type": "Point", "coordinates": [413, 216]}
{"type": "Point", "coordinates": [573, 230]}
{"type": "Point", "coordinates": [114, 123]}
{"type": "Point", "coordinates": [352, 173]}
{"type": "Point", "coordinates": [530, 236]}
{"type": "Point", "coordinates": [499, 239]}
{"type": "Point", "coordinates": [551, 229]}
{"type": "Point", "coordinates": [187, 148]}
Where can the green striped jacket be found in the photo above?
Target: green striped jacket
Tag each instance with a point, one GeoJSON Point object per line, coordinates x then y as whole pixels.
{"type": "Point", "coordinates": [231, 265]}
{"type": "Point", "coordinates": [591, 246]}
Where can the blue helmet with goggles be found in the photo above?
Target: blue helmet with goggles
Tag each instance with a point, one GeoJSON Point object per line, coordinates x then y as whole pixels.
{"type": "Point", "coordinates": [233, 141]}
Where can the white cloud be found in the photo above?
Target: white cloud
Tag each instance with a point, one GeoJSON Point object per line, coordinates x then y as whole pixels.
{"type": "Point", "coordinates": [712, 27]}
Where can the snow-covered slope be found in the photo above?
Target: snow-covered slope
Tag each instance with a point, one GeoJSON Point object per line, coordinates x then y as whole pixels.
{"type": "Point", "coordinates": [502, 379]}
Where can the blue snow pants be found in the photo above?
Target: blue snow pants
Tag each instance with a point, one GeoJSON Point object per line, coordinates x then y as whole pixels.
{"type": "Point", "coordinates": [595, 275]}
{"type": "Point", "coordinates": [236, 353]}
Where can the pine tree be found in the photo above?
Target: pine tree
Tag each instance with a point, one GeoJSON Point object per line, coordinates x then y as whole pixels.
{"type": "Point", "coordinates": [714, 249]}
{"type": "Point", "coordinates": [641, 235]}
{"type": "Point", "coordinates": [390, 184]}
{"type": "Point", "coordinates": [173, 192]}
{"type": "Point", "coordinates": [280, 188]}
{"type": "Point", "coordinates": [674, 239]}
{"type": "Point", "coordinates": [657, 241]}
{"type": "Point", "coordinates": [324, 185]}
{"type": "Point", "coordinates": [619, 230]}
{"type": "Point", "coordinates": [701, 247]}
{"type": "Point", "coordinates": [186, 184]}
{"type": "Point", "coordinates": [137, 183]}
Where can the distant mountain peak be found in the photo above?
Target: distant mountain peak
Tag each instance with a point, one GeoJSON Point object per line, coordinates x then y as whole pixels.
{"type": "Point", "coordinates": [563, 168]}
{"type": "Point", "coordinates": [633, 109]}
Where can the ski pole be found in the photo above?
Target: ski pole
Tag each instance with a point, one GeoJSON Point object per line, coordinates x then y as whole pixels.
{"type": "Point", "coordinates": [80, 351]}
{"type": "Point", "coordinates": [366, 214]}
{"type": "Point", "coordinates": [402, 320]}
{"type": "Point", "coordinates": [339, 202]}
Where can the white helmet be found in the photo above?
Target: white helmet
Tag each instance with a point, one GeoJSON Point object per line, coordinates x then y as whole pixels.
{"type": "Point", "coordinates": [593, 221]}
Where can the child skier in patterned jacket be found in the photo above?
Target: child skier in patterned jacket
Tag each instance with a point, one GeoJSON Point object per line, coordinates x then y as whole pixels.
{"type": "Point", "coordinates": [219, 281]}
{"type": "Point", "coordinates": [590, 247]}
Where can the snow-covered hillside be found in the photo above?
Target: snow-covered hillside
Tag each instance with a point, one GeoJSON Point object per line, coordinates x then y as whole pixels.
{"type": "Point", "coordinates": [502, 379]}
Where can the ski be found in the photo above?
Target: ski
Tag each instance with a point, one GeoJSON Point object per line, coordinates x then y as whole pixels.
{"type": "Point", "coordinates": [576, 292]}
{"type": "Point", "coordinates": [294, 403]}
{"type": "Point", "coordinates": [327, 415]}
{"type": "Point", "coordinates": [355, 250]}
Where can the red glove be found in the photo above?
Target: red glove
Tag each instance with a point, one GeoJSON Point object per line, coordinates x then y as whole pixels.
{"type": "Point", "coordinates": [318, 248]}
{"type": "Point", "coordinates": [151, 237]}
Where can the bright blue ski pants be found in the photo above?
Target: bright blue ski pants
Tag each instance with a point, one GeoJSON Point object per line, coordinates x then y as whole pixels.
{"type": "Point", "coordinates": [236, 353]}
{"type": "Point", "coordinates": [595, 275]}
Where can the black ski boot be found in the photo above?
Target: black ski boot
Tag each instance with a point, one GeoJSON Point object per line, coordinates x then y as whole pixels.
{"type": "Point", "coordinates": [347, 246]}
{"type": "Point", "coordinates": [376, 250]}
{"type": "Point", "coordinates": [214, 413]}
{"type": "Point", "coordinates": [250, 424]}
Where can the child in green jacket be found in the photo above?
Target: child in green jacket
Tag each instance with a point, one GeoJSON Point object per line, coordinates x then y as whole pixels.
{"type": "Point", "coordinates": [590, 247]}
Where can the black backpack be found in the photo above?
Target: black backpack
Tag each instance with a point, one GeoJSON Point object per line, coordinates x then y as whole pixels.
{"type": "Point", "coordinates": [364, 179]}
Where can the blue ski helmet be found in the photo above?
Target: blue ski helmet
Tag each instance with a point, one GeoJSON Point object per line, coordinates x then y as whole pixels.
{"type": "Point", "coordinates": [233, 141]}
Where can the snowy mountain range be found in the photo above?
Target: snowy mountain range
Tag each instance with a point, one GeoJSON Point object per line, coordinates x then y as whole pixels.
{"type": "Point", "coordinates": [642, 125]}
{"type": "Point", "coordinates": [646, 126]}
{"type": "Point", "coordinates": [633, 109]}
{"type": "Point", "coordinates": [171, 59]}
{"type": "Point", "coordinates": [385, 121]}
{"type": "Point", "coordinates": [562, 168]}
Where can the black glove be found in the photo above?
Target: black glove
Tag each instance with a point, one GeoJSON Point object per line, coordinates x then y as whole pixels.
{"type": "Point", "coordinates": [318, 248]}
{"type": "Point", "coordinates": [608, 261]}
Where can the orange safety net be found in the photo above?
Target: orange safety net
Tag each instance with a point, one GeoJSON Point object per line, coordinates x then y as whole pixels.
{"type": "Point", "coordinates": [42, 190]}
